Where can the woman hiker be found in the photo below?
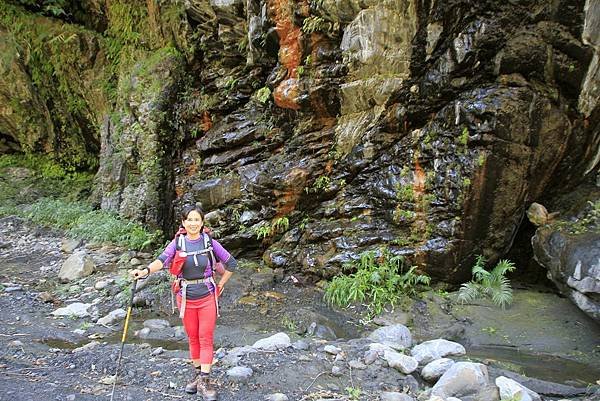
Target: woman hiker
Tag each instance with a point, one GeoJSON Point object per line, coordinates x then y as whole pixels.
{"type": "Point", "coordinates": [193, 257]}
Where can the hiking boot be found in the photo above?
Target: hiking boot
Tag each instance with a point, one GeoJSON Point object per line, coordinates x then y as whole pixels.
{"type": "Point", "coordinates": [192, 387]}
{"type": "Point", "coordinates": [206, 388]}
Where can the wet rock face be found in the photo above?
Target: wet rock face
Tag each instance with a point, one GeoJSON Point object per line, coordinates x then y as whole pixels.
{"type": "Point", "coordinates": [427, 129]}
{"type": "Point", "coordinates": [134, 176]}
{"type": "Point", "coordinates": [316, 130]}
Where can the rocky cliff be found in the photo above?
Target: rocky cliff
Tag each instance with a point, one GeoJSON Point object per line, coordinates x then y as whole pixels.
{"type": "Point", "coordinates": [313, 130]}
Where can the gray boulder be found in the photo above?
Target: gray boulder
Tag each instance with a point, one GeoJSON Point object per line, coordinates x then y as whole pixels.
{"type": "Point", "coordinates": [78, 265]}
{"type": "Point", "coordinates": [571, 254]}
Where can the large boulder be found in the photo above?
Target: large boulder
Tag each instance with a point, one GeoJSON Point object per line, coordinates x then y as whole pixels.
{"type": "Point", "coordinates": [570, 249]}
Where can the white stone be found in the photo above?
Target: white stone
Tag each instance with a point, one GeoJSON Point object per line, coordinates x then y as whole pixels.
{"type": "Point", "coordinates": [435, 369]}
{"type": "Point", "coordinates": [100, 285]}
{"type": "Point", "coordinates": [332, 349]}
{"type": "Point", "coordinates": [461, 379]}
{"type": "Point", "coordinates": [435, 349]}
{"type": "Point", "coordinates": [113, 316]}
{"type": "Point", "coordinates": [276, 341]}
{"type": "Point", "coordinates": [76, 309]}
{"type": "Point", "coordinates": [397, 336]}
{"type": "Point", "coordinates": [510, 389]}
{"type": "Point", "coordinates": [403, 363]}
{"type": "Point", "coordinates": [277, 397]}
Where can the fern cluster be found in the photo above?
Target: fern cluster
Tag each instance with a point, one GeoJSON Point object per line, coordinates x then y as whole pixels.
{"type": "Point", "coordinates": [488, 284]}
{"type": "Point", "coordinates": [378, 281]}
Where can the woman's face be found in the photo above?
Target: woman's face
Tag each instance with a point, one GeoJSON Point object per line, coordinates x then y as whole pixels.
{"type": "Point", "coordinates": [193, 223]}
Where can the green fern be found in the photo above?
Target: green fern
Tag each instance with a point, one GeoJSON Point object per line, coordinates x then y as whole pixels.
{"type": "Point", "coordinates": [488, 284]}
{"type": "Point", "coordinates": [377, 281]}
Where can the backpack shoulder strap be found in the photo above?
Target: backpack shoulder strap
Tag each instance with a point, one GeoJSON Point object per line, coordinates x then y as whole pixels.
{"type": "Point", "coordinates": [180, 239]}
{"type": "Point", "coordinates": [208, 245]}
{"type": "Point", "coordinates": [180, 242]}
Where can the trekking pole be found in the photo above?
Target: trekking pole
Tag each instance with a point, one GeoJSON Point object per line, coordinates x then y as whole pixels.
{"type": "Point", "coordinates": [123, 337]}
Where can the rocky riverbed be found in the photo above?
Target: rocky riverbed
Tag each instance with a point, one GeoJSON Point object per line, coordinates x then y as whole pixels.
{"type": "Point", "coordinates": [276, 340]}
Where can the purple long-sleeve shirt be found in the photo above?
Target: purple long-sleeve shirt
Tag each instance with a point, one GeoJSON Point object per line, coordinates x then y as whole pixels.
{"type": "Point", "coordinates": [203, 267]}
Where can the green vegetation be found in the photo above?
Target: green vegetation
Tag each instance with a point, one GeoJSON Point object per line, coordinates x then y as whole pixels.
{"type": "Point", "coordinates": [289, 324]}
{"type": "Point", "coordinates": [589, 221]}
{"type": "Point", "coordinates": [481, 159]}
{"type": "Point", "coordinates": [354, 393]}
{"type": "Point", "coordinates": [265, 229]}
{"type": "Point", "coordinates": [405, 193]}
{"type": "Point", "coordinates": [485, 284]}
{"type": "Point", "coordinates": [322, 183]}
{"type": "Point", "coordinates": [54, 8]}
{"type": "Point", "coordinates": [280, 225]}
{"type": "Point", "coordinates": [262, 231]}
{"type": "Point", "coordinates": [315, 24]}
{"type": "Point", "coordinates": [80, 221]}
{"type": "Point", "coordinates": [401, 214]}
{"type": "Point", "coordinates": [379, 281]}
{"type": "Point", "coordinates": [263, 94]}
{"type": "Point", "coordinates": [49, 195]}
{"type": "Point", "coordinates": [463, 139]}
{"type": "Point", "coordinates": [41, 177]}
{"type": "Point", "coordinates": [85, 325]}
{"type": "Point", "coordinates": [53, 57]}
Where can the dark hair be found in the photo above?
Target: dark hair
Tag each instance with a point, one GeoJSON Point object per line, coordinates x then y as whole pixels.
{"type": "Point", "coordinates": [185, 212]}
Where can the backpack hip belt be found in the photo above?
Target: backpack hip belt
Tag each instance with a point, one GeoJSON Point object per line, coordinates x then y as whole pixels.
{"type": "Point", "coordinates": [184, 283]}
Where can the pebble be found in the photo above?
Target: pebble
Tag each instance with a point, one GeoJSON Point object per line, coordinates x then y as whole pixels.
{"type": "Point", "coordinates": [332, 349]}
{"type": "Point", "coordinates": [277, 397]}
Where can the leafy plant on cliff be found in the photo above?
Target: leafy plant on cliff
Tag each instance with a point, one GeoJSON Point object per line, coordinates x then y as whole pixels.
{"type": "Point", "coordinates": [263, 94]}
{"type": "Point", "coordinates": [378, 280]}
{"type": "Point", "coordinates": [488, 284]}
{"type": "Point", "coordinates": [315, 24]}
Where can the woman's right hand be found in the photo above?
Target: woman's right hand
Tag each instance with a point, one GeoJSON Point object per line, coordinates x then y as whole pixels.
{"type": "Point", "coordinates": [137, 274]}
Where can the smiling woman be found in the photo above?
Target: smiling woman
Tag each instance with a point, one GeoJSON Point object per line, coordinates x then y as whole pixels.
{"type": "Point", "coordinates": [193, 257]}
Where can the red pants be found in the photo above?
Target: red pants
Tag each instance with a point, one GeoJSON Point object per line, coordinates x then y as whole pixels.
{"type": "Point", "coordinates": [199, 321]}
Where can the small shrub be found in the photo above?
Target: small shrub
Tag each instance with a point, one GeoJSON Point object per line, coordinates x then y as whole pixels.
{"type": "Point", "coordinates": [315, 24]}
{"type": "Point", "coordinates": [405, 193]}
{"type": "Point", "coordinates": [463, 139]}
{"type": "Point", "coordinates": [280, 225]}
{"type": "Point", "coordinates": [263, 94]}
{"type": "Point", "coordinates": [262, 231]}
{"type": "Point", "coordinates": [485, 284]}
{"type": "Point", "coordinates": [321, 184]}
{"type": "Point", "coordinates": [289, 324]}
{"type": "Point", "coordinates": [353, 393]}
{"type": "Point", "coordinates": [379, 281]}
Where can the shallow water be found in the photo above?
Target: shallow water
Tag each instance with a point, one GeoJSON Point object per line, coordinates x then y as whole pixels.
{"type": "Point", "coordinates": [544, 367]}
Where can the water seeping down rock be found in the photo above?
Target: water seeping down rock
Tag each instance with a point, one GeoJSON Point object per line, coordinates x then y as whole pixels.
{"type": "Point", "coordinates": [331, 126]}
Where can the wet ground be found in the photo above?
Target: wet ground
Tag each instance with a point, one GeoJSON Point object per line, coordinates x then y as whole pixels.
{"type": "Point", "coordinates": [542, 336]}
